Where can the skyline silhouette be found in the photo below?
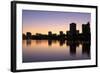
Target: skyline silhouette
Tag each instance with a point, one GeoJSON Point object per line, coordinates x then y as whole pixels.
{"type": "Point", "coordinates": [55, 36]}
{"type": "Point", "coordinates": [72, 34]}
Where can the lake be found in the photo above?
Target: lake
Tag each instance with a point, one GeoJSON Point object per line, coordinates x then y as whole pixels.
{"type": "Point", "coordinates": [54, 50]}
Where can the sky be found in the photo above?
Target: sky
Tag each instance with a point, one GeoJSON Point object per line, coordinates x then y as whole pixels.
{"type": "Point", "coordinates": [43, 21]}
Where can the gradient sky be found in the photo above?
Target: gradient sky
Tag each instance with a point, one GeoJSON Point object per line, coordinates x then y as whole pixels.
{"type": "Point", "coordinates": [43, 21]}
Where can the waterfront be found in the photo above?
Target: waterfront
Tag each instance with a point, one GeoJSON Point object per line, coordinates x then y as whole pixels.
{"type": "Point", "coordinates": [55, 50]}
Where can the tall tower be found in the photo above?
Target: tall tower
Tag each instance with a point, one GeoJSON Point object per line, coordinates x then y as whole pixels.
{"type": "Point", "coordinates": [72, 34]}
{"type": "Point", "coordinates": [28, 35]}
{"type": "Point", "coordinates": [86, 28]}
{"type": "Point", "coordinates": [86, 31]}
{"type": "Point", "coordinates": [50, 33]}
{"type": "Point", "coordinates": [61, 33]}
{"type": "Point", "coordinates": [72, 28]}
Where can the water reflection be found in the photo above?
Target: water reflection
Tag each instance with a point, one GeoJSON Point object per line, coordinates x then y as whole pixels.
{"type": "Point", "coordinates": [55, 50]}
{"type": "Point", "coordinates": [86, 48]}
{"type": "Point", "coordinates": [28, 42]}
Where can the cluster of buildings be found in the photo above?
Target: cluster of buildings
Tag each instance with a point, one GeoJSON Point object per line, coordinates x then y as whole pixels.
{"type": "Point", "coordinates": [72, 34]}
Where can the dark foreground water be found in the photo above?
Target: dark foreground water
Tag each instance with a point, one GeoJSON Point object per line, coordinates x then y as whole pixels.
{"type": "Point", "coordinates": [47, 50]}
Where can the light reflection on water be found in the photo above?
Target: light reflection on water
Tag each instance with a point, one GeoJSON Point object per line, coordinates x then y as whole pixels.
{"type": "Point", "coordinates": [54, 50]}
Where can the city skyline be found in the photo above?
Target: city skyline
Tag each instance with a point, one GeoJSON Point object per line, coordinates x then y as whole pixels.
{"type": "Point", "coordinates": [55, 36]}
{"type": "Point", "coordinates": [72, 35]}
{"type": "Point", "coordinates": [44, 21]}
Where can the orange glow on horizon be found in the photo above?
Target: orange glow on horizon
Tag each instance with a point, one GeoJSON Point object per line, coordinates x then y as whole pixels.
{"type": "Point", "coordinates": [46, 29]}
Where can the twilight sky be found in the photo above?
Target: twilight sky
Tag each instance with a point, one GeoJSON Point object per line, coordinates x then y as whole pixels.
{"type": "Point", "coordinates": [43, 21]}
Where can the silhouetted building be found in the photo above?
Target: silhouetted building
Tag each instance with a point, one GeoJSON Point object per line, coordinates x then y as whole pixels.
{"type": "Point", "coordinates": [49, 33]}
{"type": "Point", "coordinates": [23, 36]}
{"type": "Point", "coordinates": [72, 27]}
{"type": "Point", "coordinates": [38, 34]}
{"type": "Point", "coordinates": [28, 35]}
{"type": "Point", "coordinates": [61, 33]}
{"type": "Point", "coordinates": [86, 31]}
{"type": "Point", "coordinates": [38, 41]}
{"type": "Point", "coordinates": [54, 34]}
{"type": "Point", "coordinates": [72, 34]}
{"type": "Point", "coordinates": [86, 28]}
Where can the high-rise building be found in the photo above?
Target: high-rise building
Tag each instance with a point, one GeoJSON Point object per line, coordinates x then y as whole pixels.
{"type": "Point", "coordinates": [61, 33]}
{"type": "Point", "coordinates": [72, 27]}
{"type": "Point", "coordinates": [23, 36]}
{"type": "Point", "coordinates": [86, 31]}
{"type": "Point", "coordinates": [86, 28]}
{"type": "Point", "coordinates": [50, 33]}
{"type": "Point", "coordinates": [72, 34]}
{"type": "Point", "coordinates": [28, 35]}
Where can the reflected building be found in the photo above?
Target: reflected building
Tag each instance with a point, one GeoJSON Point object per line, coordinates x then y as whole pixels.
{"type": "Point", "coordinates": [59, 46]}
{"type": "Point", "coordinates": [86, 48]}
{"type": "Point", "coordinates": [28, 42]}
{"type": "Point", "coordinates": [72, 45]}
{"type": "Point", "coordinates": [49, 42]}
{"type": "Point", "coordinates": [73, 49]}
{"type": "Point", "coordinates": [38, 41]}
{"type": "Point", "coordinates": [61, 42]}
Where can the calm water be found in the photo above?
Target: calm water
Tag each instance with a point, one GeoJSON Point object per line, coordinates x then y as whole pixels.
{"type": "Point", "coordinates": [47, 50]}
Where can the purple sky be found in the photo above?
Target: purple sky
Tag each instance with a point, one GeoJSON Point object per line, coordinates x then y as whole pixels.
{"type": "Point", "coordinates": [44, 21]}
